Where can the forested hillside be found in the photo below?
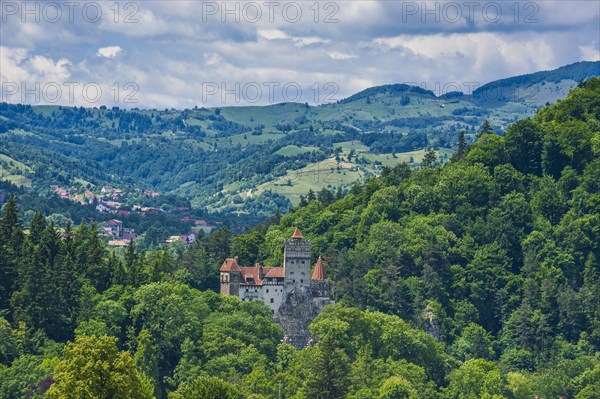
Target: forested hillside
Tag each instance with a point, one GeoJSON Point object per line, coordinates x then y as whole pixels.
{"type": "Point", "coordinates": [476, 279]}
{"type": "Point", "coordinates": [254, 160]}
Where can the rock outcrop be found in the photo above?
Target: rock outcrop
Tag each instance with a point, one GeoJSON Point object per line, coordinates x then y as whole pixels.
{"type": "Point", "coordinates": [297, 311]}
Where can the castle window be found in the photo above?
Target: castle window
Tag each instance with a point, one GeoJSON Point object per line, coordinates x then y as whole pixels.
{"type": "Point", "coordinates": [301, 281]}
{"type": "Point", "coordinates": [267, 290]}
{"type": "Point", "coordinates": [272, 300]}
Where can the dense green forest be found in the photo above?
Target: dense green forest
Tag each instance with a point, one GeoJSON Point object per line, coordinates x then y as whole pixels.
{"type": "Point", "coordinates": [476, 279]}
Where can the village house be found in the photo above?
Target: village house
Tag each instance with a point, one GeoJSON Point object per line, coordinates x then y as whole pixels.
{"type": "Point", "coordinates": [113, 205]}
{"type": "Point", "coordinates": [101, 208]}
{"type": "Point", "coordinates": [151, 193]}
{"type": "Point", "coordinates": [115, 227]}
{"type": "Point", "coordinates": [128, 234]}
{"type": "Point", "coordinates": [189, 238]}
{"type": "Point", "coordinates": [91, 197]}
{"type": "Point", "coordinates": [105, 230]}
{"type": "Point", "coordinates": [186, 239]}
{"type": "Point", "coordinates": [118, 243]}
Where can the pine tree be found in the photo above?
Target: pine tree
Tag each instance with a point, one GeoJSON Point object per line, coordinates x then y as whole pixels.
{"type": "Point", "coordinates": [462, 143]}
{"type": "Point", "coordinates": [6, 277]}
{"type": "Point", "coordinates": [302, 202]}
{"type": "Point", "coordinates": [49, 298]}
{"type": "Point", "coordinates": [90, 256]}
{"type": "Point", "coordinates": [117, 271]}
{"type": "Point", "coordinates": [31, 301]}
{"type": "Point", "coordinates": [429, 159]}
{"type": "Point", "coordinates": [330, 370]}
{"type": "Point", "coordinates": [486, 128]}
{"type": "Point", "coordinates": [38, 224]}
{"type": "Point", "coordinates": [134, 266]}
{"type": "Point", "coordinates": [11, 243]}
{"type": "Point", "coordinates": [10, 228]}
{"type": "Point", "coordinates": [68, 284]}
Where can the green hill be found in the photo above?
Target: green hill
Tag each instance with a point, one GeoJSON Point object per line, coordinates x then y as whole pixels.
{"type": "Point", "coordinates": [253, 160]}
{"type": "Point", "coordinates": [476, 279]}
{"type": "Point", "coordinates": [503, 240]}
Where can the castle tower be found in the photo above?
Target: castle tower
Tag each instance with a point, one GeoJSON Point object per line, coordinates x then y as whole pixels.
{"type": "Point", "coordinates": [231, 276]}
{"type": "Point", "coordinates": [319, 283]}
{"type": "Point", "coordinates": [319, 272]}
{"type": "Point", "coordinates": [296, 261]}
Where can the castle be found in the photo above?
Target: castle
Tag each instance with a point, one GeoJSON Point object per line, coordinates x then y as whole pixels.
{"type": "Point", "coordinates": [294, 296]}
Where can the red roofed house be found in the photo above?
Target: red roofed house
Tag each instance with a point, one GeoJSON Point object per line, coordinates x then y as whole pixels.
{"type": "Point", "coordinates": [272, 285]}
{"type": "Point", "coordinates": [90, 196]}
{"type": "Point", "coordinates": [115, 226]}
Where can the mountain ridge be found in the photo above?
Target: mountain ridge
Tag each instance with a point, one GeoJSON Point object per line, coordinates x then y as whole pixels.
{"type": "Point", "coordinates": [251, 160]}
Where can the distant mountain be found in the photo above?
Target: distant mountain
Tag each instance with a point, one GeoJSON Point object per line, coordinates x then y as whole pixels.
{"type": "Point", "coordinates": [539, 87]}
{"type": "Point", "coordinates": [252, 160]}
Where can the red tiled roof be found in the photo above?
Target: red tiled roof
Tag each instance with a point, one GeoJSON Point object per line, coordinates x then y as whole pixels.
{"type": "Point", "coordinates": [275, 272]}
{"type": "Point", "coordinates": [319, 272]}
{"type": "Point", "coordinates": [230, 265]}
{"type": "Point", "coordinates": [260, 274]}
{"type": "Point", "coordinates": [297, 233]}
{"type": "Point", "coordinates": [252, 273]}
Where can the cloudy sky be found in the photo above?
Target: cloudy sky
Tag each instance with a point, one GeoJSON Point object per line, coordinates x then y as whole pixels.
{"type": "Point", "coordinates": [159, 54]}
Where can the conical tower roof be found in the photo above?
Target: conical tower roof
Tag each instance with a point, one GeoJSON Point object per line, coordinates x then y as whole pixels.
{"type": "Point", "coordinates": [319, 272]}
{"type": "Point", "coordinates": [297, 234]}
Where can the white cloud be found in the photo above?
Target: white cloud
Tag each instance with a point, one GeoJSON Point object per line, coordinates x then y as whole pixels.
{"type": "Point", "coordinates": [590, 53]}
{"type": "Point", "coordinates": [109, 52]}
{"type": "Point", "coordinates": [18, 65]}
{"type": "Point", "coordinates": [277, 34]}
{"type": "Point", "coordinates": [273, 34]}
{"type": "Point", "coordinates": [336, 55]}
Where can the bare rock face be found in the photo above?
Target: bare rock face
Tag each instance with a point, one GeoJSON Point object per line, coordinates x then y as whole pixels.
{"type": "Point", "coordinates": [296, 313]}
{"type": "Point", "coordinates": [432, 324]}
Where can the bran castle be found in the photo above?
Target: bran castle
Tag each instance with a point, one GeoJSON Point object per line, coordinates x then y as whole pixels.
{"type": "Point", "coordinates": [294, 296]}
